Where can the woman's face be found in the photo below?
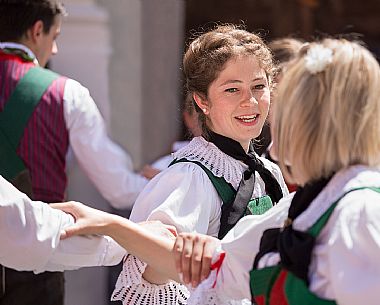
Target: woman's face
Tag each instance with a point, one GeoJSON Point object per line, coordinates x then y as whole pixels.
{"type": "Point", "coordinates": [238, 100]}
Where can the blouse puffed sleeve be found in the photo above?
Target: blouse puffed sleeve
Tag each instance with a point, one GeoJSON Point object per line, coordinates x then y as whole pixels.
{"type": "Point", "coordinates": [348, 251]}
{"type": "Point", "coordinates": [184, 197]}
{"type": "Point", "coordinates": [240, 247]}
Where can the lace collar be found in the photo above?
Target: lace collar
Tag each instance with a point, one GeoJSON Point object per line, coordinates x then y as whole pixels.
{"type": "Point", "coordinates": [220, 164]}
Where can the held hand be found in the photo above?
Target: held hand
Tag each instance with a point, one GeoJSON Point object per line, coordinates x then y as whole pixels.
{"type": "Point", "coordinates": [87, 220]}
{"type": "Point", "coordinates": [149, 172]}
{"type": "Point", "coordinates": [193, 254]}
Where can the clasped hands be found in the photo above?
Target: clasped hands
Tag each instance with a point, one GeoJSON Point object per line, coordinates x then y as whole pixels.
{"type": "Point", "coordinates": [192, 252]}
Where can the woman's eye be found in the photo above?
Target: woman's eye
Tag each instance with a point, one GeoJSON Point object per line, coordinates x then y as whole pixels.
{"type": "Point", "coordinates": [231, 90]}
{"type": "Point", "coordinates": [259, 87]}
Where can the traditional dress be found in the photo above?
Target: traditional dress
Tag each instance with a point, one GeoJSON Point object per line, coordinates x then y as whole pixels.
{"type": "Point", "coordinates": [66, 114]}
{"type": "Point", "coordinates": [41, 113]}
{"type": "Point", "coordinates": [184, 196]}
{"type": "Point", "coordinates": [344, 219]}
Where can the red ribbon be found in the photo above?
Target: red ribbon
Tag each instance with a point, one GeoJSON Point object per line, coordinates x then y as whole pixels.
{"type": "Point", "coordinates": [217, 265]}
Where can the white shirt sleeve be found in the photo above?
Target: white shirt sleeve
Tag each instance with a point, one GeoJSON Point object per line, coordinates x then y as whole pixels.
{"type": "Point", "coordinates": [345, 264]}
{"type": "Point", "coordinates": [230, 285]}
{"type": "Point", "coordinates": [104, 162]}
{"type": "Point", "coordinates": [183, 196]}
{"type": "Point", "coordinates": [29, 237]}
{"type": "Point", "coordinates": [241, 245]}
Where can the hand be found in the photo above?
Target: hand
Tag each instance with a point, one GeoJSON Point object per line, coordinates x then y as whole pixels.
{"type": "Point", "coordinates": [87, 220]}
{"type": "Point", "coordinates": [193, 254]}
{"type": "Point", "coordinates": [149, 172]}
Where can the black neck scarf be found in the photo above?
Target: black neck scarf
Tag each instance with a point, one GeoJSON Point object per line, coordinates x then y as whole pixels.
{"type": "Point", "coordinates": [294, 246]}
{"type": "Point", "coordinates": [231, 213]}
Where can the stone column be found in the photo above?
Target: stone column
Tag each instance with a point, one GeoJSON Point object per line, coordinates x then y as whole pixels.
{"type": "Point", "coordinates": [137, 89]}
{"type": "Point", "coordinates": [147, 39]}
{"type": "Point", "coordinates": [84, 50]}
{"type": "Point", "coordinates": [83, 54]}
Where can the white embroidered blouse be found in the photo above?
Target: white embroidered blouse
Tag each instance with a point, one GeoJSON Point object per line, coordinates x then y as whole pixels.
{"type": "Point", "coordinates": [183, 196]}
{"type": "Point", "coordinates": [345, 260]}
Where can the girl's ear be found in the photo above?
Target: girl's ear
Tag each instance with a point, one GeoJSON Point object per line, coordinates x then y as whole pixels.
{"type": "Point", "coordinates": [201, 102]}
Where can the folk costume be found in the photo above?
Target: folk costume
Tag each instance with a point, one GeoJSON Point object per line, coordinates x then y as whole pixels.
{"type": "Point", "coordinates": [190, 195]}
{"type": "Point", "coordinates": [41, 114]}
{"type": "Point", "coordinates": [326, 254]}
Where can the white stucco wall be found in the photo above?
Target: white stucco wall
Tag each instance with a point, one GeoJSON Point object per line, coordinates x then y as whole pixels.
{"type": "Point", "coordinates": [128, 54]}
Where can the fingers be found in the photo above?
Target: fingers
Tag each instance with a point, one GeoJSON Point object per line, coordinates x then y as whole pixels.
{"type": "Point", "coordinates": [149, 172]}
{"type": "Point", "coordinates": [69, 207]}
{"type": "Point", "coordinates": [208, 251]}
{"type": "Point", "coordinates": [60, 205]}
{"type": "Point", "coordinates": [177, 249]}
{"type": "Point", "coordinates": [69, 232]}
{"type": "Point", "coordinates": [81, 228]}
{"type": "Point", "coordinates": [187, 251]}
{"type": "Point", "coordinates": [196, 261]}
{"type": "Point", "coordinates": [63, 235]}
{"type": "Point", "coordinates": [193, 255]}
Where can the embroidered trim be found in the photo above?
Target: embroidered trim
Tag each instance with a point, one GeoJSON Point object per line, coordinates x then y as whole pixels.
{"type": "Point", "coordinates": [220, 164]}
{"type": "Point", "coordinates": [132, 289]}
{"type": "Point", "coordinates": [17, 47]}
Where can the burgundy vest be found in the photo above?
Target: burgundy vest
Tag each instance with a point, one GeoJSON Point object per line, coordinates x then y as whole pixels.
{"type": "Point", "coordinates": [44, 144]}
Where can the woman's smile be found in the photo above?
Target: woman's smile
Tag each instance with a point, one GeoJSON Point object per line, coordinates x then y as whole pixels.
{"type": "Point", "coordinates": [238, 100]}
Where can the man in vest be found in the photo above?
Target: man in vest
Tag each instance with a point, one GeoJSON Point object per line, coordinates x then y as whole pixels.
{"type": "Point", "coordinates": [41, 113]}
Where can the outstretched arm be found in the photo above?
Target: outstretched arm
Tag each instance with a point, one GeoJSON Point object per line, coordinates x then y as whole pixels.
{"type": "Point", "coordinates": [33, 227]}
{"type": "Point", "coordinates": [153, 245]}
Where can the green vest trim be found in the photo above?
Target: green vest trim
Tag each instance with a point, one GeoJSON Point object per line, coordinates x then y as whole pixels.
{"type": "Point", "coordinates": [321, 222]}
{"type": "Point", "coordinates": [16, 114]}
{"type": "Point", "coordinates": [224, 189]}
{"type": "Point", "coordinates": [295, 290]}
{"type": "Point", "coordinates": [264, 280]}
{"type": "Point", "coordinates": [256, 206]}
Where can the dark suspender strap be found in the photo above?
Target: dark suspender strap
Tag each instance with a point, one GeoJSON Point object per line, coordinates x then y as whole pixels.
{"type": "Point", "coordinates": [224, 189]}
{"type": "Point", "coordinates": [16, 114]}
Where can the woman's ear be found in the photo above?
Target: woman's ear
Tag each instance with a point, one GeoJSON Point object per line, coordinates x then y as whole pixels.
{"type": "Point", "coordinates": [201, 102]}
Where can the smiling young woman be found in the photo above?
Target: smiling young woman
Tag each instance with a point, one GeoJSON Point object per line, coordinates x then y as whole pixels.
{"type": "Point", "coordinates": [217, 178]}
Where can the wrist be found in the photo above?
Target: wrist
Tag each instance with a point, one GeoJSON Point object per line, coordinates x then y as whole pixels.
{"type": "Point", "coordinates": [114, 224]}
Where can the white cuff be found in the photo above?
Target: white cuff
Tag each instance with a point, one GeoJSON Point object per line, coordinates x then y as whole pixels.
{"type": "Point", "coordinates": [131, 288]}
